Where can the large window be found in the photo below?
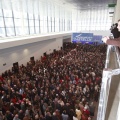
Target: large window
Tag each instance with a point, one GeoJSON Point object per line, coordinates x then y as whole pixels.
{"type": "Point", "coordinates": [18, 23]}
{"type": "Point", "coordinates": [57, 25]}
{"type": "Point", "coordinates": [9, 22]}
{"type": "Point", "coordinates": [91, 19]}
{"type": "Point", "coordinates": [27, 17]}
{"type": "Point", "coordinates": [2, 27]}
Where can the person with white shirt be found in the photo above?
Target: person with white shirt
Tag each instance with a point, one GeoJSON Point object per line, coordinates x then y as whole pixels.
{"type": "Point", "coordinates": [75, 117]}
{"type": "Point", "coordinates": [78, 113]}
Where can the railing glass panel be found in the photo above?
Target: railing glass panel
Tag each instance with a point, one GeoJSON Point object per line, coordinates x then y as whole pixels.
{"type": "Point", "coordinates": [112, 67]}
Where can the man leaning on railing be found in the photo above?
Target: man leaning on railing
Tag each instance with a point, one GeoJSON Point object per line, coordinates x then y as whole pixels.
{"type": "Point", "coordinates": [115, 41]}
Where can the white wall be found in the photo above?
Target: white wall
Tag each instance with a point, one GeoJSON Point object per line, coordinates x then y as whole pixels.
{"type": "Point", "coordinates": [117, 12]}
{"type": "Point", "coordinates": [22, 53]}
{"type": "Point", "coordinates": [16, 41]}
{"type": "Point", "coordinates": [67, 39]}
{"type": "Point", "coordinates": [103, 33]}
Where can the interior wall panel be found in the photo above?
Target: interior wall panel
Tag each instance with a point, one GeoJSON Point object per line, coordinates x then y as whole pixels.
{"type": "Point", "coordinates": [22, 54]}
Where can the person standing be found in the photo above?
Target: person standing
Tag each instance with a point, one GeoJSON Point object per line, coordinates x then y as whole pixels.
{"type": "Point", "coordinates": [115, 41]}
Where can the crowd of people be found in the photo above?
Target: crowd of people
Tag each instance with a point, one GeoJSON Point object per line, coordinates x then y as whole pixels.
{"type": "Point", "coordinates": [63, 85]}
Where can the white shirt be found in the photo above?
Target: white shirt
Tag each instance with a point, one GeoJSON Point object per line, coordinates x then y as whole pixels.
{"type": "Point", "coordinates": [75, 118]}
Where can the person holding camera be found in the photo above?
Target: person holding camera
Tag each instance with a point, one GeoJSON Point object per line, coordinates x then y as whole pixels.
{"type": "Point", "coordinates": [115, 41]}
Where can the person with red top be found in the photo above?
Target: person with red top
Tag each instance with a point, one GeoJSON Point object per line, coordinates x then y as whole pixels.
{"type": "Point", "coordinates": [14, 100]}
{"type": "Point", "coordinates": [1, 79]}
{"type": "Point", "coordinates": [23, 95]}
{"type": "Point", "coordinates": [61, 81]}
{"type": "Point", "coordinates": [86, 111]}
{"type": "Point", "coordinates": [77, 79]}
{"type": "Point", "coordinates": [84, 117]}
{"type": "Point", "coordinates": [88, 82]}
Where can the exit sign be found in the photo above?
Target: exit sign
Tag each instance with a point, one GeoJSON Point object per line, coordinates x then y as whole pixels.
{"type": "Point", "coordinates": [112, 5]}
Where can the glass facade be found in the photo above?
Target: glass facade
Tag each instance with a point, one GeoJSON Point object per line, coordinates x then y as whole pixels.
{"type": "Point", "coordinates": [91, 19]}
{"type": "Point", "coordinates": [28, 17]}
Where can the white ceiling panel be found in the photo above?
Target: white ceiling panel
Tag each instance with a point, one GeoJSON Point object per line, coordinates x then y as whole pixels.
{"type": "Point", "coordinates": [86, 4]}
{"type": "Point", "coordinates": [71, 4]}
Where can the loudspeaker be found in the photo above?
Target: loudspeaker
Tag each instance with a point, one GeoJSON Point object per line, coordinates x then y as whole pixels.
{"type": "Point", "coordinates": [54, 50]}
{"type": "Point", "coordinates": [16, 67]}
{"type": "Point", "coordinates": [32, 58]}
{"type": "Point", "coordinates": [45, 54]}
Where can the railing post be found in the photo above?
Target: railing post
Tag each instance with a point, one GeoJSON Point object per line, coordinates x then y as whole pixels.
{"type": "Point", "coordinates": [104, 93]}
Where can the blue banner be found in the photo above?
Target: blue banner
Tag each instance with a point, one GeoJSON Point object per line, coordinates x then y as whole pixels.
{"type": "Point", "coordinates": [86, 38]}
{"type": "Point", "coordinates": [82, 37]}
{"type": "Point", "coordinates": [98, 39]}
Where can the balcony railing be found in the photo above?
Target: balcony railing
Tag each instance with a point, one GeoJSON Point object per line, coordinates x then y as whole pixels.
{"type": "Point", "coordinates": [109, 102]}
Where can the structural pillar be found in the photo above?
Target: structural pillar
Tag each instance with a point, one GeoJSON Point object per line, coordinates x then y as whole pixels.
{"type": "Point", "coordinates": [117, 12]}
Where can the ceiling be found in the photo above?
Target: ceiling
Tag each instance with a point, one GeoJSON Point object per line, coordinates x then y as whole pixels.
{"type": "Point", "coordinates": [70, 4]}
{"type": "Point", "coordinates": [85, 4]}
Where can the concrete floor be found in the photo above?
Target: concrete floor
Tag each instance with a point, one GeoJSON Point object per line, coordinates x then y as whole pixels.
{"type": "Point", "coordinates": [96, 110]}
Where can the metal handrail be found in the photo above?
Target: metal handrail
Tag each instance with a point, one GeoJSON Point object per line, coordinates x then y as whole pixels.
{"type": "Point", "coordinates": [106, 81]}
{"type": "Point", "coordinates": [118, 55]}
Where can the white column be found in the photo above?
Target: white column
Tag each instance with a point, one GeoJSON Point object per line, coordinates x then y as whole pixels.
{"type": "Point", "coordinates": [117, 12]}
{"type": "Point", "coordinates": [113, 19]}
